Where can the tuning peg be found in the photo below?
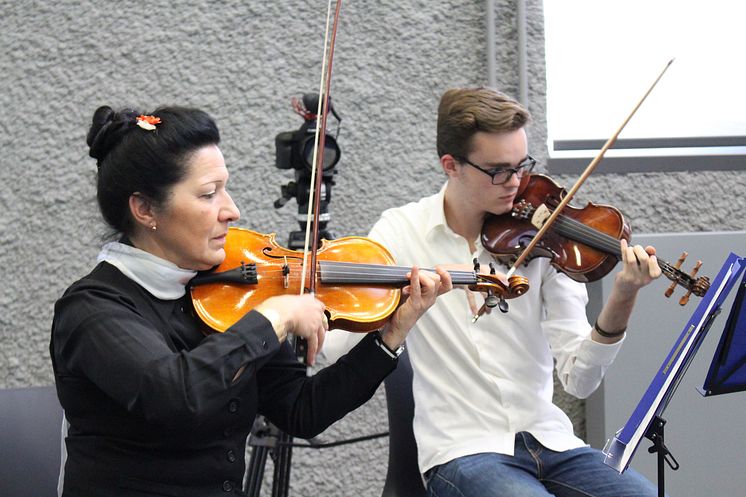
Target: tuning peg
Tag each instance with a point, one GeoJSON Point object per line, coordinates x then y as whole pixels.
{"type": "Point", "coordinates": [685, 299]}
{"type": "Point", "coordinates": [503, 306]}
{"type": "Point", "coordinates": [476, 265]}
{"type": "Point", "coordinates": [696, 269]}
{"type": "Point", "coordinates": [491, 299]}
{"type": "Point", "coordinates": [681, 260]}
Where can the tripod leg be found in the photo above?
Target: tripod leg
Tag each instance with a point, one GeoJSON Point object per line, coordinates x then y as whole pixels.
{"type": "Point", "coordinates": [281, 479]}
{"type": "Point", "coordinates": [255, 471]}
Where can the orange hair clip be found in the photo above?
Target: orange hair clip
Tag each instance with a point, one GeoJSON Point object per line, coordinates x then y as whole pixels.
{"type": "Point", "coordinates": [148, 122]}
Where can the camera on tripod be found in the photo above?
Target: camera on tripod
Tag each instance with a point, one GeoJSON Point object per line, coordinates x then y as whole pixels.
{"type": "Point", "coordinates": [294, 150]}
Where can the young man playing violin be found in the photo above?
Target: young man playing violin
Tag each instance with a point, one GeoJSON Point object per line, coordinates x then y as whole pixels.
{"type": "Point", "coordinates": [484, 420]}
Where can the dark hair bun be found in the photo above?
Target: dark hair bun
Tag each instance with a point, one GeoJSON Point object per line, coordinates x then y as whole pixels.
{"type": "Point", "coordinates": [107, 129]}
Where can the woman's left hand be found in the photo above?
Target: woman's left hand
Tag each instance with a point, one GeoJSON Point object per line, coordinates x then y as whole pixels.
{"type": "Point", "coordinates": [420, 295]}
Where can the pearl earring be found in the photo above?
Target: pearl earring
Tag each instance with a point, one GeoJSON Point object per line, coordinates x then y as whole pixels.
{"type": "Point", "coordinates": [153, 227]}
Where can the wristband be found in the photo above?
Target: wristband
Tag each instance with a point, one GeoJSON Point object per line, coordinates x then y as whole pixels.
{"type": "Point", "coordinates": [607, 334]}
{"type": "Point", "coordinates": [392, 353]}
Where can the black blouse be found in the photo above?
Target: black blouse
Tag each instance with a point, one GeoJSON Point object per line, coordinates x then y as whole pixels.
{"type": "Point", "coordinates": [156, 407]}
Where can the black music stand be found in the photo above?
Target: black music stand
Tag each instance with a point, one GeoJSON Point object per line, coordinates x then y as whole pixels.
{"type": "Point", "coordinates": [727, 373]}
{"type": "Point", "coordinates": [647, 419]}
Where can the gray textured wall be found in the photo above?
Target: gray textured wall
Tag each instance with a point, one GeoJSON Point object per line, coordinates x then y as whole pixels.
{"type": "Point", "coordinates": [242, 62]}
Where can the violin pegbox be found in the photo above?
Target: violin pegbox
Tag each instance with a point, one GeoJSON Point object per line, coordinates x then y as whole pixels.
{"type": "Point", "coordinates": [697, 286]}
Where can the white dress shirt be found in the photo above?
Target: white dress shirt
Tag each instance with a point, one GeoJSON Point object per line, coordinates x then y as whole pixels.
{"type": "Point", "coordinates": [477, 384]}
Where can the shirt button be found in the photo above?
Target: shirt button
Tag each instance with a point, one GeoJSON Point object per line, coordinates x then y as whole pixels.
{"type": "Point", "coordinates": [264, 344]}
{"type": "Point", "coordinates": [227, 486]}
{"type": "Point", "coordinates": [231, 456]}
{"type": "Point", "coordinates": [227, 432]}
{"type": "Point", "coordinates": [233, 405]}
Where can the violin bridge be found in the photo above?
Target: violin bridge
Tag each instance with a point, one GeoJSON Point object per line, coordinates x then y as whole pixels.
{"type": "Point", "coordinates": [541, 214]}
{"type": "Point", "coordinates": [286, 274]}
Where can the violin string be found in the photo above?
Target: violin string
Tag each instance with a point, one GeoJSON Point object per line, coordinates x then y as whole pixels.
{"type": "Point", "coordinates": [349, 271]}
{"type": "Point", "coordinates": [608, 243]}
{"type": "Point", "coordinates": [585, 234]}
{"type": "Point", "coordinates": [363, 272]}
{"type": "Point", "coordinates": [343, 267]}
{"type": "Point", "coordinates": [592, 237]}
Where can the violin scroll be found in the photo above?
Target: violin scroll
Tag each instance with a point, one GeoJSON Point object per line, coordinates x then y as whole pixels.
{"type": "Point", "coordinates": [496, 291]}
{"type": "Point", "coordinates": [491, 284]}
{"type": "Point", "coordinates": [494, 287]}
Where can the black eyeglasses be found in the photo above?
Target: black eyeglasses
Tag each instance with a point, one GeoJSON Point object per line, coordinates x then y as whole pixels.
{"type": "Point", "coordinates": [501, 175]}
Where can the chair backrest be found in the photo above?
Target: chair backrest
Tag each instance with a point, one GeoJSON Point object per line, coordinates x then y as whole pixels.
{"type": "Point", "coordinates": [403, 477]}
{"type": "Point", "coordinates": [30, 424]}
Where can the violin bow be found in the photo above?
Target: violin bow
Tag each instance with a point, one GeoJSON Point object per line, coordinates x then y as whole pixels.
{"type": "Point", "coordinates": [588, 170]}
{"type": "Point", "coordinates": [318, 150]}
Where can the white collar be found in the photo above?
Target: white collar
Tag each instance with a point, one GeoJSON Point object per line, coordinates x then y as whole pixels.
{"type": "Point", "coordinates": [164, 279]}
{"type": "Point", "coordinates": [436, 217]}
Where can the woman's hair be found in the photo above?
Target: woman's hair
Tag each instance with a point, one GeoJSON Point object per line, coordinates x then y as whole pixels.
{"type": "Point", "coordinates": [465, 111]}
{"type": "Point", "coordinates": [149, 161]}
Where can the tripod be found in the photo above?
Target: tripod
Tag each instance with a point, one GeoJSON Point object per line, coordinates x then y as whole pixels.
{"type": "Point", "coordinates": [267, 439]}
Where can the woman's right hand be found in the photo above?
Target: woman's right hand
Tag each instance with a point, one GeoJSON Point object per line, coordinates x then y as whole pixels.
{"type": "Point", "coordinates": [301, 315]}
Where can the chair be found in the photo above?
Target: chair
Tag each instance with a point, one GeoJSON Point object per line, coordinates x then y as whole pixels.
{"type": "Point", "coordinates": [403, 477]}
{"type": "Point", "coordinates": [30, 423]}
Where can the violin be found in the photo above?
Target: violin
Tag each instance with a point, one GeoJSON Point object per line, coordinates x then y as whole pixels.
{"type": "Point", "coordinates": [584, 243]}
{"type": "Point", "coordinates": [355, 278]}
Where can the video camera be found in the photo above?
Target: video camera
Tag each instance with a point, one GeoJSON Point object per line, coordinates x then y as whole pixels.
{"type": "Point", "coordinates": [294, 150]}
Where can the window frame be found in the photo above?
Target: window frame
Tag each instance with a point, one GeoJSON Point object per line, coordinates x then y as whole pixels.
{"type": "Point", "coordinates": [698, 153]}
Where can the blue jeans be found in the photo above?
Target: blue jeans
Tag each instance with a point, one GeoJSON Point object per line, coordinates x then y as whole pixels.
{"type": "Point", "coordinates": [535, 471]}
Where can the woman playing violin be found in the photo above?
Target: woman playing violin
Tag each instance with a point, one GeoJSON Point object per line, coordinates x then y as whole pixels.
{"type": "Point", "coordinates": [156, 405]}
{"type": "Point", "coordinates": [485, 422]}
